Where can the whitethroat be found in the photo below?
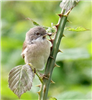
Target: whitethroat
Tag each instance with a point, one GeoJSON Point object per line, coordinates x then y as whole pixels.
{"type": "Point", "coordinates": [36, 48]}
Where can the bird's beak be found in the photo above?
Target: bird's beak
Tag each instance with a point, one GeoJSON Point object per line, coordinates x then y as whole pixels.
{"type": "Point", "coordinates": [45, 35]}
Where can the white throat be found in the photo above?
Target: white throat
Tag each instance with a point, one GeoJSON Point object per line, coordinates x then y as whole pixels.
{"type": "Point", "coordinates": [40, 39]}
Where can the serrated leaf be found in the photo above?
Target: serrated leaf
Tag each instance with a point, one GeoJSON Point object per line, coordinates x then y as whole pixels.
{"type": "Point", "coordinates": [20, 79]}
{"type": "Point", "coordinates": [78, 29]}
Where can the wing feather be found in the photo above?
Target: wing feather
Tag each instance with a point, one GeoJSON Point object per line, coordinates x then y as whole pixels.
{"type": "Point", "coordinates": [24, 49]}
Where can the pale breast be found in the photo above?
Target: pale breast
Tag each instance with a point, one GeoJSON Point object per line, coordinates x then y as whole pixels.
{"type": "Point", "coordinates": [37, 54]}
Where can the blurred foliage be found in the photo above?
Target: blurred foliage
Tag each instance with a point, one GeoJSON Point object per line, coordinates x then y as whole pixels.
{"type": "Point", "coordinates": [73, 78]}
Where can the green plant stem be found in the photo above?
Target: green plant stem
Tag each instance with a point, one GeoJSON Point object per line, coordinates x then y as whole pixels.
{"type": "Point", "coordinates": [51, 61]}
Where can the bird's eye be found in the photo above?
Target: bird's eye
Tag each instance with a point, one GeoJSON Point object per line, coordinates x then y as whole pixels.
{"type": "Point", "coordinates": [37, 33]}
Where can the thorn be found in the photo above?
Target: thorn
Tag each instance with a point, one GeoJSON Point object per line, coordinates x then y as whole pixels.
{"type": "Point", "coordinates": [57, 65]}
{"type": "Point", "coordinates": [45, 77]}
{"type": "Point", "coordinates": [51, 40]}
{"type": "Point", "coordinates": [39, 92]}
{"type": "Point", "coordinates": [52, 82]}
{"type": "Point", "coordinates": [51, 57]}
{"type": "Point", "coordinates": [69, 21]}
{"type": "Point", "coordinates": [60, 15]}
{"type": "Point", "coordinates": [60, 51]}
{"type": "Point", "coordinates": [63, 35]}
{"type": "Point", "coordinates": [68, 12]}
{"type": "Point", "coordinates": [38, 85]}
{"type": "Point", "coordinates": [57, 26]}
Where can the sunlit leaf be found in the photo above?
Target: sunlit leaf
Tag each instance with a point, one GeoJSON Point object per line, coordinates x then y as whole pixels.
{"type": "Point", "coordinates": [78, 29]}
{"type": "Point", "coordinates": [20, 79]}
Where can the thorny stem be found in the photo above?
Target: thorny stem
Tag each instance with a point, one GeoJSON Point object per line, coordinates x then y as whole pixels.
{"type": "Point", "coordinates": [51, 61]}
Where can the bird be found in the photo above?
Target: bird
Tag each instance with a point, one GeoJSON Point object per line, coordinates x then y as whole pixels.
{"type": "Point", "coordinates": [36, 48]}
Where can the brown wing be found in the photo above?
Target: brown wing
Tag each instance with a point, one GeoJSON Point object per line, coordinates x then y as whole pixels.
{"type": "Point", "coordinates": [23, 48]}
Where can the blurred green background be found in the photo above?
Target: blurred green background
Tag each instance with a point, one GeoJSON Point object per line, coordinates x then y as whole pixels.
{"type": "Point", "coordinates": [73, 78]}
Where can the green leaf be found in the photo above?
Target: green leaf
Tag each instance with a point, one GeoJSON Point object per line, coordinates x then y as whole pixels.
{"type": "Point", "coordinates": [20, 79]}
{"type": "Point", "coordinates": [34, 22]}
{"type": "Point", "coordinates": [78, 29]}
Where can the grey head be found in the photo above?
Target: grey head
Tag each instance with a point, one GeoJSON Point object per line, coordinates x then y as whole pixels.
{"type": "Point", "coordinates": [35, 33]}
